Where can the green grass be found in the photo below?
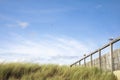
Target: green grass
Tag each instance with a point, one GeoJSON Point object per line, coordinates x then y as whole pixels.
{"type": "Point", "coordinates": [27, 71]}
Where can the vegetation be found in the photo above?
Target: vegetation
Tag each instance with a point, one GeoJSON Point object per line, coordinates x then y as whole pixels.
{"type": "Point", "coordinates": [27, 71]}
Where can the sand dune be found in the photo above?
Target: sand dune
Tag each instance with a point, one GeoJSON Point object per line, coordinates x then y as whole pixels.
{"type": "Point", "coordinates": [117, 73]}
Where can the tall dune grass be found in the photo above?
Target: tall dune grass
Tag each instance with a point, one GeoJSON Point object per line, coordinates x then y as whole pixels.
{"type": "Point", "coordinates": [27, 71]}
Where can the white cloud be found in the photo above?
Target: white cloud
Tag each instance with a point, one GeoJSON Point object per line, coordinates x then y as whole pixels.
{"type": "Point", "coordinates": [23, 24]}
{"type": "Point", "coordinates": [63, 50]}
{"type": "Point", "coordinates": [13, 22]}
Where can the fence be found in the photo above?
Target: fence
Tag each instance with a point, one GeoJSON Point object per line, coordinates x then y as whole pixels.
{"type": "Point", "coordinates": [108, 61]}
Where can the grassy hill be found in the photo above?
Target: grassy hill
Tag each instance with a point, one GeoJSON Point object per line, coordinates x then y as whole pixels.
{"type": "Point", "coordinates": [27, 71]}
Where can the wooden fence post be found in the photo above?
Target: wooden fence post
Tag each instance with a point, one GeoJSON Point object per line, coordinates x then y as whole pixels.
{"type": "Point", "coordinates": [75, 64]}
{"type": "Point", "coordinates": [100, 58]}
{"type": "Point", "coordinates": [84, 62]}
{"type": "Point", "coordinates": [91, 60]}
{"type": "Point", "coordinates": [79, 63]}
{"type": "Point", "coordinates": [111, 57]}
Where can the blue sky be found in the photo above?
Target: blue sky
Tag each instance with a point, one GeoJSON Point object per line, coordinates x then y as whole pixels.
{"type": "Point", "coordinates": [55, 31]}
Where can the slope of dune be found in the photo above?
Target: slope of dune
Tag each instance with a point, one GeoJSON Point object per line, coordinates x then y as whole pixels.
{"type": "Point", "coordinates": [117, 73]}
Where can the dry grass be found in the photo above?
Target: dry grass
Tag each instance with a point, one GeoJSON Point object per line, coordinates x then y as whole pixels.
{"type": "Point", "coordinates": [27, 71]}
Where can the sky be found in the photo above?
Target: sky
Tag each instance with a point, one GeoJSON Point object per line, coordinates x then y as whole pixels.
{"type": "Point", "coordinates": [55, 31]}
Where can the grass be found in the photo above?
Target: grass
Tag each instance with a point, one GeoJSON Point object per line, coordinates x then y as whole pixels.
{"type": "Point", "coordinates": [27, 71]}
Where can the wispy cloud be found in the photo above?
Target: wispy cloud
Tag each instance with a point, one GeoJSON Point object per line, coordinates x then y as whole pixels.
{"type": "Point", "coordinates": [49, 10]}
{"type": "Point", "coordinates": [47, 50]}
{"type": "Point", "coordinates": [23, 24]}
{"type": "Point", "coordinates": [11, 22]}
{"type": "Point", "coordinates": [20, 24]}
